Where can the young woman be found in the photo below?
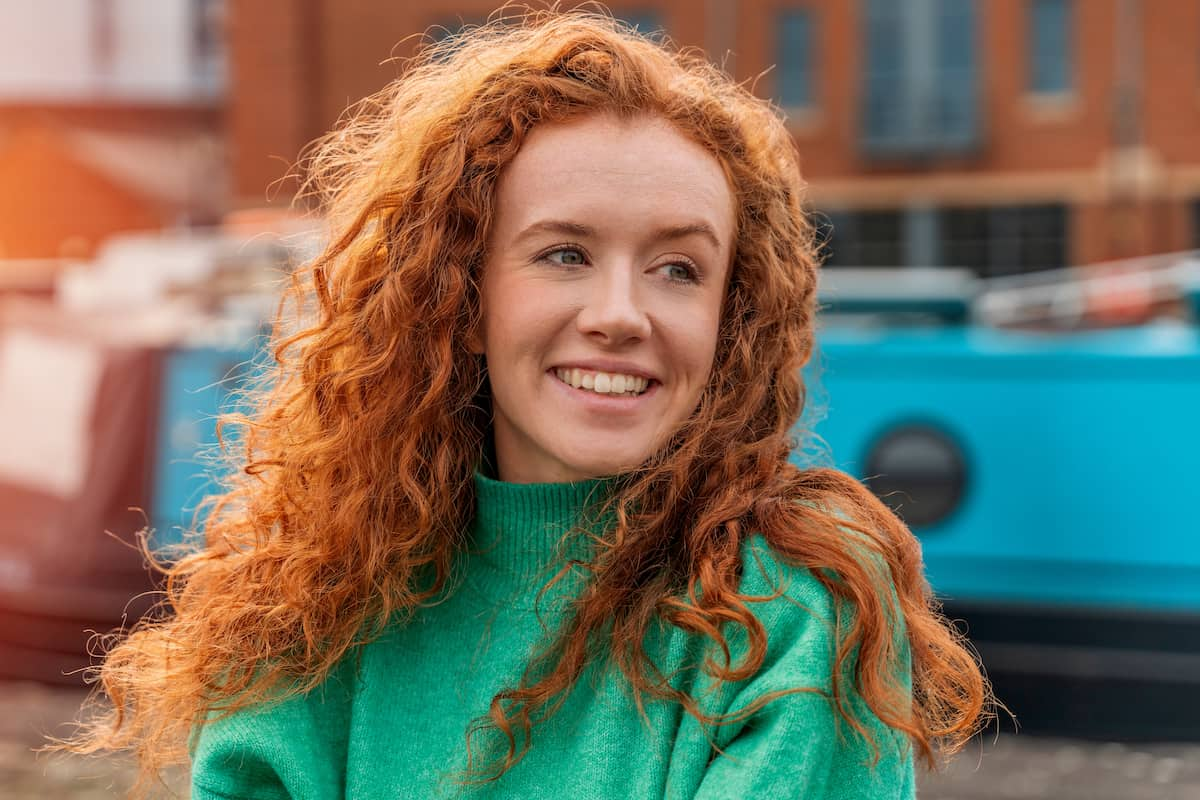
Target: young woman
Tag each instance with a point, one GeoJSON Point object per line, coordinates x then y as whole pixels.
{"type": "Point", "coordinates": [517, 517]}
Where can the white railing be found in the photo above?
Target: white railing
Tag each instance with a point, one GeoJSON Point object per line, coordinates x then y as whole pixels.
{"type": "Point", "coordinates": [1068, 297]}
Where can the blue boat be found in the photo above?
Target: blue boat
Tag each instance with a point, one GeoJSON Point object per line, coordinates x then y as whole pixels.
{"type": "Point", "coordinates": [200, 381]}
{"type": "Point", "coordinates": [1049, 475]}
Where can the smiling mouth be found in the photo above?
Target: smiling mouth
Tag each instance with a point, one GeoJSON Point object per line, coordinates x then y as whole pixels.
{"type": "Point", "coordinates": [604, 383]}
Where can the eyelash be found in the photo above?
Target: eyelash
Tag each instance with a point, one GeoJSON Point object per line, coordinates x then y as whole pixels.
{"type": "Point", "coordinates": [693, 270]}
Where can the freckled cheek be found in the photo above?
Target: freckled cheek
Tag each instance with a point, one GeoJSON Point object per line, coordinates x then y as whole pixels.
{"type": "Point", "coordinates": [522, 321]}
{"type": "Point", "coordinates": [693, 348]}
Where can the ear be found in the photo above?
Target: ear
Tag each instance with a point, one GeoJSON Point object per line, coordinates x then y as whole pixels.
{"type": "Point", "coordinates": [475, 319]}
{"type": "Point", "coordinates": [475, 341]}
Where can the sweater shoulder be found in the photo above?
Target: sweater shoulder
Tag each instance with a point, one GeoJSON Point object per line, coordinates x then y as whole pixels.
{"type": "Point", "coordinates": [781, 591]}
{"type": "Point", "coordinates": [795, 691]}
{"type": "Point", "coordinates": [803, 614]}
{"type": "Point", "coordinates": [294, 744]}
{"type": "Point", "coordinates": [798, 614]}
{"type": "Point", "coordinates": [765, 570]}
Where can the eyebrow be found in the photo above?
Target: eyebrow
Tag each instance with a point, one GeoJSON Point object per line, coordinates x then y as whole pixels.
{"type": "Point", "coordinates": [576, 229]}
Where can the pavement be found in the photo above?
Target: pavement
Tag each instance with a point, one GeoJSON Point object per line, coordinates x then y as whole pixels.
{"type": "Point", "coordinates": [28, 713]}
{"type": "Point", "coordinates": [1002, 766]}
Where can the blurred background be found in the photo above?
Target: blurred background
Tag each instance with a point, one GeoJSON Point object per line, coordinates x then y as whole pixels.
{"type": "Point", "coordinates": [1008, 193]}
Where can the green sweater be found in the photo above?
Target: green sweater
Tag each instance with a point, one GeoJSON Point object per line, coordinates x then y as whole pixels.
{"type": "Point", "coordinates": [394, 726]}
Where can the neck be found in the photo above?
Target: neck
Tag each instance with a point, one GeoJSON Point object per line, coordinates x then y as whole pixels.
{"type": "Point", "coordinates": [524, 533]}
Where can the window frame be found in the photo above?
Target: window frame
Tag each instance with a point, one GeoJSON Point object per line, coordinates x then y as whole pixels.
{"type": "Point", "coordinates": [811, 57]}
{"type": "Point", "coordinates": [1037, 83]}
{"type": "Point", "coordinates": [1000, 239]}
{"type": "Point", "coordinates": [922, 70]}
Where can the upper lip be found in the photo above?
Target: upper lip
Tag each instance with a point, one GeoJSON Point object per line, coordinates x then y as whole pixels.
{"type": "Point", "coordinates": [607, 365]}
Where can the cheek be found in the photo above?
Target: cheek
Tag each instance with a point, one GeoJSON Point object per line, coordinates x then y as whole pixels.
{"type": "Point", "coordinates": [497, 302]}
{"type": "Point", "coordinates": [695, 348]}
{"type": "Point", "coordinates": [522, 323]}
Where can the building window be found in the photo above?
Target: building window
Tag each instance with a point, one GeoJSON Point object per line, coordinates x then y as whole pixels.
{"type": "Point", "coordinates": [647, 23]}
{"type": "Point", "coordinates": [920, 82]}
{"type": "Point", "coordinates": [989, 240]}
{"type": "Point", "coordinates": [208, 42]}
{"type": "Point", "coordinates": [1003, 240]}
{"type": "Point", "coordinates": [794, 56]}
{"type": "Point", "coordinates": [450, 27]}
{"type": "Point", "coordinates": [863, 238]}
{"type": "Point", "coordinates": [104, 38]}
{"type": "Point", "coordinates": [964, 238]}
{"type": "Point", "coordinates": [1050, 46]}
{"type": "Point", "coordinates": [446, 34]}
{"type": "Point", "coordinates": [954, 105]}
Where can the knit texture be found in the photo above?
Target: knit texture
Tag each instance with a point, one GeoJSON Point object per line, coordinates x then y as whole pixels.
{"type": "Point", "coordinates": [395, 725]}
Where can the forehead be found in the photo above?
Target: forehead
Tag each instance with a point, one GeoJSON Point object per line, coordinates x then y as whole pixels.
{"type": "Point", "coordinates": [619, 169]}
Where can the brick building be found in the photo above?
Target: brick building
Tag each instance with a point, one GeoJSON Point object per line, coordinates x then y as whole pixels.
{"type": "Point", "coordinates": [109, 121]}
{"type": "Point", "coordinates": [1002, 135]}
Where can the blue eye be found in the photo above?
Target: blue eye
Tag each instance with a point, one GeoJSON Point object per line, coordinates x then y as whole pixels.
{"type": "Point", "coordinates": [681, 272]}
{"type": "Point", "coordinates": [566, 256]}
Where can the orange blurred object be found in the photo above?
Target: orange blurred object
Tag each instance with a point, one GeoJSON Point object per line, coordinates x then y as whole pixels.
{"type": "Point", "coordinates": [1127, 299]}
{"type": "Point", "coordinates": [54, 203]}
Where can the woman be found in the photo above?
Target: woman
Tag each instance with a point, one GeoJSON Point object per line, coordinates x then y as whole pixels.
{"type": "Point", "coordinates": [517, 517]}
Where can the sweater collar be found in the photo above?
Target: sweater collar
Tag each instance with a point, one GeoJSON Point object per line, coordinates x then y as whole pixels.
{"type": "Point", "coordinates": [517, 536]}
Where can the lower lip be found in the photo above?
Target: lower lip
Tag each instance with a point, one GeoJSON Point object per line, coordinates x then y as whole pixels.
{"type": "Point", "coordinates": [611, 403]}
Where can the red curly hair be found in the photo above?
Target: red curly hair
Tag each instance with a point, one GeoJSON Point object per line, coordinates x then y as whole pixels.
{"type": "Point", "coordinates": [358, 465]}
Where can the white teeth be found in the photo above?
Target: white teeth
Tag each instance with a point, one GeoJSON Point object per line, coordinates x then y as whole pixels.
{"type": "Point", "coordinates": [603, 382]}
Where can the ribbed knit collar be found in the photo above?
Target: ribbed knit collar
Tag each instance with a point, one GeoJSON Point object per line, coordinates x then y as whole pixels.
{"type": "Point", "coordinates": [516, 534]}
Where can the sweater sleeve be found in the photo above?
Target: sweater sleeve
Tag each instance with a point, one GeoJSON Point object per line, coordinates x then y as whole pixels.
{"type": "Point", "coordinates": [796, 745]}
{"type": "Point", "coordinates": [294, 749]}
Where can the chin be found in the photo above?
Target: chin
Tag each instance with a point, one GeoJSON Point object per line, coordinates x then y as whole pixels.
{"type": "Point", "coordinates": [607, 464]}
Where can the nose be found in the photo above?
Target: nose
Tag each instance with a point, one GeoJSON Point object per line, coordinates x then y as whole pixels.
{"type": "Point", "coordinates": [613, 313]}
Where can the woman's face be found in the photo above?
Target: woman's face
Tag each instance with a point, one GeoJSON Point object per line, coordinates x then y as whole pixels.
{"type": "Point", "coordinates": [602, 292]}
